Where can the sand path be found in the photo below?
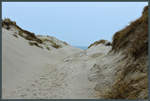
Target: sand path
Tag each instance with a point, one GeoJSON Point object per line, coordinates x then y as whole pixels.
{"type": "Point", "coordinates": [31, 73]}
{"type": "Point", "coordinates": [66, 79]}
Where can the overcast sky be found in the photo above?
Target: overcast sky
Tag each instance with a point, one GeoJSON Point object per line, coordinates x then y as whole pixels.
{"type": "Point", "coordinates": [77, 23]}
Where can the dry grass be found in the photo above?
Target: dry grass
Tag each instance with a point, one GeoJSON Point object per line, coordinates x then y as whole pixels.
{"type": "Point", "coordinates": [97, 43]}
{"type": "Point", "coordinates": [65, 43]}
{"type": "Point", "coordinates": [108, 44]}
{"type": "Point", "coordinates": [52, 42]}
{"type": "Point", "coordinates": [23, 33]}
{"type": "Point", "coordinates": [47, 48]}
{"type": "Point", "coordinates": [128, 90]}
{"type": "Point", "coordinates": [8, 22]}
{"type": "Point", "coordinates": [45, 39]}
{"type": "Point", "coordinates": [132, 80]}
{"type": "Point", "coordinates": [133, 37]}
{"type": "Point", "coordinates": [15, 35]}
{"type": "Point", "coordinates": [35, 44]}
{"type": "Point", "coordinates": [55, 45]}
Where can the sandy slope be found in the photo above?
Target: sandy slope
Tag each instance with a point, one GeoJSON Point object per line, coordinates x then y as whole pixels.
{"type": "Point", "coordinates": [31, 72]}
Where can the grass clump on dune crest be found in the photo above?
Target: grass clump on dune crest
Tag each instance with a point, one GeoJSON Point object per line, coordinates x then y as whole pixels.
{"type": "Point", "coordinates": [7, 23]}
{"type": "Point", "coordinates": [52, 42]}
{"type": "Point", "coordinates": [65, 43]}
{"type": "Point", "coordinates": [55, 45]}
{"type": "Point", "coordinates": [97, 43]}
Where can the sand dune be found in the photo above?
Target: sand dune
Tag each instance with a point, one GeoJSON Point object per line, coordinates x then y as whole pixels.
{"type": "Point", "coordinates": [44, 67]}
{"type": "Point", "coordinates": [32, 72]}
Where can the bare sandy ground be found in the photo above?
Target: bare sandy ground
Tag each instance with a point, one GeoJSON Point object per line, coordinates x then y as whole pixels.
{"type": "Point", "coordinates": [30, 72]}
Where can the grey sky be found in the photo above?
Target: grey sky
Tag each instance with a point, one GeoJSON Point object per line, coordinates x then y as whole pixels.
{"type": "Point", "coordinates": [77, 23]}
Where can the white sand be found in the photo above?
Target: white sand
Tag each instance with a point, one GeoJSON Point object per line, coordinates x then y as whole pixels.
{"type": "Point", "coordinates": [31, 72]}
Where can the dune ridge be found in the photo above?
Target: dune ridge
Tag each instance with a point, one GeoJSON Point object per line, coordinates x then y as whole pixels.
{"type": "Point", "coordinates": [127, 73]}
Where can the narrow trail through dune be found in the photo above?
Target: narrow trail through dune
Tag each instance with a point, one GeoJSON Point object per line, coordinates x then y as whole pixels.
{"type": "Point", "coordinates": [34, 73]}
{"type": "Point", "coordinates": [66, 79]}
{"type": "Point", "coordinates": [44, 67]}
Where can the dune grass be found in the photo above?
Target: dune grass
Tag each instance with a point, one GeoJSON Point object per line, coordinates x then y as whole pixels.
{"type": "Point", "coordinates": [31, 43]}
{"type": "Point", "coordinates": [132, 80]}
{"type": "Point", "coordinates": [15, 35]}
{"type": "Point", "coordinates": [52, 42]}
{"type": "Point", "coordinates": [133, 37]}
{"type": "Point", "coordinates": [6, 23]}
{"type": "Point", "coordinates": [97, 43]}
{"type": "Point", "coordinates": [47, 48]}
